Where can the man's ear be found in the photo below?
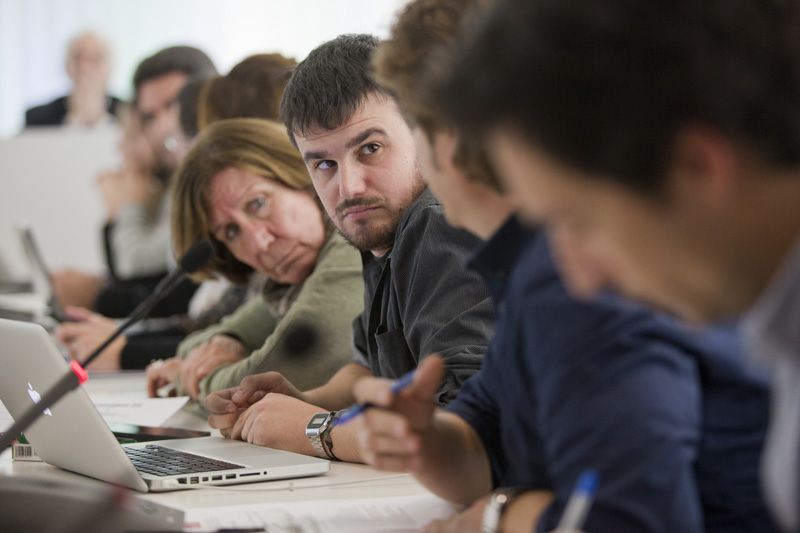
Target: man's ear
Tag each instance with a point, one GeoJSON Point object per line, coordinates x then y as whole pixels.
{"type": "Point", "coordinates": [444, 144]}
{"type": "Point", "coordinates": [704, 168]}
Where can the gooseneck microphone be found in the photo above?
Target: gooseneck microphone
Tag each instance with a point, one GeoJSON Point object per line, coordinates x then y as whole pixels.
{"type": "Point", "coordinates": [194, 259]}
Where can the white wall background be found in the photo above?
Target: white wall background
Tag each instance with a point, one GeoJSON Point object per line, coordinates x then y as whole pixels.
{"type": "Point", "coordinates": [33, 35]}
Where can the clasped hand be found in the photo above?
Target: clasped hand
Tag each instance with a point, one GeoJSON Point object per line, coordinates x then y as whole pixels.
{"type": "Point", "coordinates": [264, 409]}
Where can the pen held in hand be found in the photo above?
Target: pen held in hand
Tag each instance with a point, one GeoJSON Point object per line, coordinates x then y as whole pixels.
{"type": "Point", "coordinates": [580, 502]}
{"type": "Point", "coordinates": [352, 412]}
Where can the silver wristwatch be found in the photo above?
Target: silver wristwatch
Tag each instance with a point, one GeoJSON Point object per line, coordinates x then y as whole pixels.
{"type": "Point", "coordinates": [317, 432]}
{"type": "Point", "coordinates": [493, 512]}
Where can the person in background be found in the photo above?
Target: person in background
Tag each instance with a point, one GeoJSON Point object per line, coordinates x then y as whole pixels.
{"type": "Point", "coordinates": [88, 64]}
{"type": "Point", "coordinates": [156, 338]}
{"type": "Point", "coordinates": [253, 88]}
{"type": "Point", "coordinates": [659, 143]}
{"type": "Point", "coordinates": [140, 233]}
{"type": "Point", "coordinates": [244, 186]}
{"type": "Point", "coordinates": [419, 297]}
{"type": "Point", "coordinates": [137, 238]}
{"type": "Point", "coordinates": [242, 92]}
{"type": "Point", "coordinates": [653, 408]}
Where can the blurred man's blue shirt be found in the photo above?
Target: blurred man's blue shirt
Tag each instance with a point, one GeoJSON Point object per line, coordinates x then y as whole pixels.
{"type": "Point", "coordinates": [672, 420]}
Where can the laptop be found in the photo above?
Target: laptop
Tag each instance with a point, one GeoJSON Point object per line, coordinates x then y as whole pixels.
{"type": "Point", "coordinates": [72, 435]}
{"type": "Point", "coordinates": [40, 274]}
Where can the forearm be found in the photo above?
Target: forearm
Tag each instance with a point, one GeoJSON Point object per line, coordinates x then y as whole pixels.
{"type": "Point", "coordinates": [453, 463]}
{"type": "Point", "coordinates": [251, 324]}
{"type": "Point", "coordinates": [337, 393]}
{"type": "Point", "coordinates": [522, 515]}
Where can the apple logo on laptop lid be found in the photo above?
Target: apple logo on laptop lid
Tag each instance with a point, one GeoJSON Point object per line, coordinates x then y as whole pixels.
{"type": "Point", "coordinates": [36, 397]}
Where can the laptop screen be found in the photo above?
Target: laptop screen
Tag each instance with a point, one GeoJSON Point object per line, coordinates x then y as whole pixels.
{"type": "Point", "coordinates": [40, 272]}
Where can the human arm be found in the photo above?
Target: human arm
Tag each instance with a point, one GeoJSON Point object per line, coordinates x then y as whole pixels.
{"type": "Point", "coordinates": [444, 307]}
{"type": "Point", "coordinates": [406, 432]}
{"type": "Point", "coordinates": [86, 332]}
{"type": "Point", "coordinates": [230, 341]}
{"type": "Point", "coordinates": [227, 405]}
{"type": "Point", "coordinates": [250, 323]}
{"type": "Point", "coordinates": [78, 289]}
{"type": "Point", "coordinates": [312, 340]}
{"type": "Point", "coordinates": [220, 350]}
{"type": "Point", "coordinates": [519, 516]}
{"type": "Point", "coordinates": [143, 348]}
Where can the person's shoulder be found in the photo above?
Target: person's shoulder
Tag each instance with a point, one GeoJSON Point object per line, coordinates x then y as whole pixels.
{"type": "Point", "coordinates": [337, 253]}
{"type": "Point", "coordinates": [50, 114]}
{"type": "Point", "coordinates": [425, 228]}
{"type": "Point", "coordinates": [424, 210]}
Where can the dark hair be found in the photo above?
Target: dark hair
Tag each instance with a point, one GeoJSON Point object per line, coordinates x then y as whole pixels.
{"type": "Point", "coordinates": [187, 59]}
{"type": "Point", "coordinates": [189, 100]}
{"type": "Point", "coordinates": [606, 85]}
{"type": "Point", "coordinates": [329, 85]}
{"type": "Point", "coordinates": [418, 36]}
{"type": "Point", "coordinates": [253, 88]}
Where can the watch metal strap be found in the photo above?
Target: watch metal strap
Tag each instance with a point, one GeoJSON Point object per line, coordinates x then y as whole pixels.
{"type": "Point", "coordinates": [316, 438]}
{"type": "Point", "coordinates": [326, 440]}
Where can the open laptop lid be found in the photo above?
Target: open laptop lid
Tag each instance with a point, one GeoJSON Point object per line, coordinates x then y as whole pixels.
{"type": "Point", "coordinates": [71, 435]}
{"type": "Point", "coordinates": [41, 276]}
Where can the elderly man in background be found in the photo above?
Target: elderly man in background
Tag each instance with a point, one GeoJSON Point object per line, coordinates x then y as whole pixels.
{"type": "Point", "coordinates": [88, 104]}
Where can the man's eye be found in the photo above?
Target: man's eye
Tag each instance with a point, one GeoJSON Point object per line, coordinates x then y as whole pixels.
{"type": "Point", "coordinates": [370, 148]}
{"type": "Point", "coordinates": [325, 164]}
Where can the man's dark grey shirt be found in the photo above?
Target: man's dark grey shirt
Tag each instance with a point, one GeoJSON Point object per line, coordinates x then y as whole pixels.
{"type": "Point", "coordinates": [420, 299]}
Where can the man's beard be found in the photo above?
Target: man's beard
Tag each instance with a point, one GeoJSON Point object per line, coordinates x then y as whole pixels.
{"type": "Point", "coordinates": [165, 164]}
{"type": "Point", "coordinates": [374, 236]}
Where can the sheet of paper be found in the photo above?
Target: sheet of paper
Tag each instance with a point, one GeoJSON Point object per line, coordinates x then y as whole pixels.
{"type": "Point", "coordinates": [135, 409]}
{"type": "Point", "coordinates": [374, 515]}
{"type": "Point", "coordinates": [124, 408]}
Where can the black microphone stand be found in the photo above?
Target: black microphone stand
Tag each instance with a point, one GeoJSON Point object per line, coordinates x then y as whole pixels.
{"type": "Point", "coordinates": [196, 257]}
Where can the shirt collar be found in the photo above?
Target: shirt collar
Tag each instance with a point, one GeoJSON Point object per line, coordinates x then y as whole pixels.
{"type": "Point", "coordinates": [495, 259]}
{"type": "Point", "coordinates": [770, 327]}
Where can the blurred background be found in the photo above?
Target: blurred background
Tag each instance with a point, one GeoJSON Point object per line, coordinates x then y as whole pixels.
{"type": "Point", "coordinates": [50, 175]}
{"type": "Point", "coordinates": [34, 36]}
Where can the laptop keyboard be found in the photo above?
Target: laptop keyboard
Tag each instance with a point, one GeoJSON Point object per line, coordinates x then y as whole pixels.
{"type": "Point", "coordinates": [160, 461]}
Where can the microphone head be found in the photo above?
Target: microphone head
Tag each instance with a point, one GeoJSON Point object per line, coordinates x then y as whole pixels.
{"type": "Point", "coordinates": [300, 338]}
{"type": "Point", "coordinates": [196, 257]}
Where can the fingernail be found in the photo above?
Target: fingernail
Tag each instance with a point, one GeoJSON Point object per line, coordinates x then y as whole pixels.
{"type": "Point", "coordinates": [230, 408]}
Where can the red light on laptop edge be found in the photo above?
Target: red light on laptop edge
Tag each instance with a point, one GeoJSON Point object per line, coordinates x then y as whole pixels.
{"type": "Point", "coordinates": [79, 371]}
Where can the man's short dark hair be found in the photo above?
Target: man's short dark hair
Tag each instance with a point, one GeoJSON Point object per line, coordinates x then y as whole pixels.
{"type": "Point", "coordinates": [329, 85]}
{"type": "Point", "coordinates": [186, 59]}
{"type": "Point", "coordinates": [606, 85]}
{"type": "Point", "coordinates": [189, 100]}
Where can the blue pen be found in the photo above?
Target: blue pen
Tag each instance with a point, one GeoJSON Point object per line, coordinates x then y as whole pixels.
{"type": "Point", "coordinates": [352, 412]}
{"type": "Point", "coordinates": [579, 503]}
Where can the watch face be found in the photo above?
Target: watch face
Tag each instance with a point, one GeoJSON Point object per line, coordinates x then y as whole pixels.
{"type": "Point", "coordinates": [317, 421]}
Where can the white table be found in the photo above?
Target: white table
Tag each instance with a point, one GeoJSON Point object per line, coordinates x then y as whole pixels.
{"type": "Point", "coordinates": [343, 485]}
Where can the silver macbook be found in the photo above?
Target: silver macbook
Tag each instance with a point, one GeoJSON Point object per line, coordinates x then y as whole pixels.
{"type": "Point", "coordinates": [72, 435]}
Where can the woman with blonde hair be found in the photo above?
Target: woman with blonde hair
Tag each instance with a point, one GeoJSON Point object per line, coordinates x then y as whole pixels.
{"type": "Point", "coordinates": [244, 186]}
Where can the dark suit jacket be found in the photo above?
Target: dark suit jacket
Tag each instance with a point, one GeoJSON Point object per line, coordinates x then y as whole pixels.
{"type": "Point", "coordinates": [54, 113]}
